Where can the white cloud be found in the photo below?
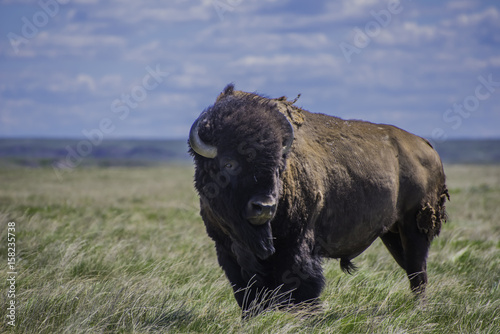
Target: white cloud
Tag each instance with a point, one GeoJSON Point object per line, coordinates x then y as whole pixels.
{"type": "Point", "coordinates": [420, 31]}
{"type": "Point", "coordinates": [303, 40]}
{"type": "Point", "coordinates": [84, 85]}
{"type": "Point", "coordinates": [491, 14]}
{"type": "Point", "coordinates": [147, 11]}
{"type": "Point", "coordinates": [356, 8]}
{"type": "Point", "coordinates": [144, 52]}
{"type": "Point", "coordinates": [409, 33]}
{"type": "Point", "coordinates": [7, 2]}
{"type": "Point", "coordinates": [288, 60]}
{"type": "Point", "coordinates": [461, 5]}
{"type": "Point", "coordinates": [76, 43]}
{"type": "Point", "coordinates": [495, 61]}
{"type": "Point", "coordinates": [85, 2]}
{"type": "Point", "coordinates": [475, 64]}
{"type": "Point", "coordinates": [13, 108]}
{"type": "Point", "coordinates": [194, 76]}
{"type": "Point", "coordinates": [174, 101]}
{"type": "Point", "coordinates": [55, 44]}
{"type": "Point", "coordinates": [85, 80]}
{"type": "Point", "coordinates": [110, 82]}
{"type": "Point", "coordinates": [61, 83]}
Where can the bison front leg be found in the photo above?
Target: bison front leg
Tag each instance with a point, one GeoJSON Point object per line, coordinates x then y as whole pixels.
{"type": "Point", "coordinates": [233, 271]}
{"type": "Point", "coordinates": [251, 290]}
{"type": "Point", "coordinates": [283, 286]}
{"type": "Point", "coordinates": [303, 280]}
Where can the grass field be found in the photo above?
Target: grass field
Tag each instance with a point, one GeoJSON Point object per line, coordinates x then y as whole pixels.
{"type": "Point", "coordinates": [123, 250]}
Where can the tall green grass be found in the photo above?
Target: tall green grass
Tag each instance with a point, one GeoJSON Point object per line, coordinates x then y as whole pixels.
{"type": "Point", "coordinates": [123, 250]}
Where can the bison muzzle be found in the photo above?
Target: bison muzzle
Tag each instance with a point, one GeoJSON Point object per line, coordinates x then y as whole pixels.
{"type": "Point", "coordinates": [280, 188]}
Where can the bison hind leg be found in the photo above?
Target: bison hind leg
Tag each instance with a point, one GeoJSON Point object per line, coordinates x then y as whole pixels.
{"type": "Point", "coordinates": [347, 266]}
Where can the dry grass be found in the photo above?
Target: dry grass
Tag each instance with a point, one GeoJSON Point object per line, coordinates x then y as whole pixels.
{"type": "Point", "coordinates": [124, 251]}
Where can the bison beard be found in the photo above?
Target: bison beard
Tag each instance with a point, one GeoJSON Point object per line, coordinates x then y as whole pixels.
{"type": "Point", "coordinates": [255, 240]}
{"type": "Point", "coordinates": [289, 187]}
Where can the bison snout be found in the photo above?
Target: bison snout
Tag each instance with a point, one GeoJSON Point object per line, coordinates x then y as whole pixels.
{"type": "Point", "coordinates": [260, 209]}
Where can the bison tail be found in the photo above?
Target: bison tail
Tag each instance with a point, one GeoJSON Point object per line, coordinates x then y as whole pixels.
{"type": "Point", "coordinates": [432, 215]}
{"type": "Point", "coordinates": [347, 266]}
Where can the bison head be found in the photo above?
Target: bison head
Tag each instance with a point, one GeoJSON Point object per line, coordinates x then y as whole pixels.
{"type": "Point", "coordinates": [240, 146]}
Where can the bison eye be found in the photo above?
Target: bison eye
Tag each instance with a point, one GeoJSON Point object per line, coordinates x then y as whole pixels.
{"type": "Point", "coordinates": [231, 166]}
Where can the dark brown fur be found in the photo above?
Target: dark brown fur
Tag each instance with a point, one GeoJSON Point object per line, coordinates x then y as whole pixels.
{"type": "Point", "coordinates": [342, 185]}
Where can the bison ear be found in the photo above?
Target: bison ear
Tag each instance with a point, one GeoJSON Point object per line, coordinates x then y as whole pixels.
{"type": "Point", "coordinates": [290, 136]}
{"type": "Point", "coordinates": [228, 90]}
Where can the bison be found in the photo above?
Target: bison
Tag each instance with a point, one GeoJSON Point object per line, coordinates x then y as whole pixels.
{"type": "Point", "coordinates": [281, 188]}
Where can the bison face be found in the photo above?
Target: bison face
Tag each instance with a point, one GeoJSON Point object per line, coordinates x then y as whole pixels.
{"type": "Point", "coordinates": [256, 189]}
{"type": "Point", "coordinates": [244, 200]}
{"type": "Point", "coordinates": [240, 188]}
{"type": "Point", "coordinates": [239, 156]}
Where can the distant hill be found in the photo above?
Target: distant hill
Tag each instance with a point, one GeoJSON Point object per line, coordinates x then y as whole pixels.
{"type": "Point", "coordinates": [119, 152]}
{"type": "Point", "coordinates": [132, 152]}
{"type": "Point", "coordinates": [469, 151]}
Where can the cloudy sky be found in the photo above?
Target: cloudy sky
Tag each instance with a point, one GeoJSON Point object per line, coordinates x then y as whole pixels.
{"type": "Point", "coordinates": [146, 69]}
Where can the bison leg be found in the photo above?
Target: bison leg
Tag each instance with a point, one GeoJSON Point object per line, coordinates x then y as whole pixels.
{"type": "Point", "coordinates": [233, 273]}
{"type": "Point", "coordinates": [392, 240]}
{"type": "Point", "coordinates": [248, 288]}
{"type": "Point", "coordinates": [304, 281]}
{"type": "Point", "coordinates": [409, 247]}
{"type": "Point", "coordinates": [254, 289]}
{"type": "Point", "coordinates": [416, 247]}
{"type": "Point", "coordinates": [262, 285]}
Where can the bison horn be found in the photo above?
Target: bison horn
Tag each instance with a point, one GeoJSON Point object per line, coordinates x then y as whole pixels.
{"type": "Point", "coordinates": [198, 145]}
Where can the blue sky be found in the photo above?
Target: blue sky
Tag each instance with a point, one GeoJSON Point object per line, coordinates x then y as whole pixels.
{"type": "Point", "coordinates": [146, 69]}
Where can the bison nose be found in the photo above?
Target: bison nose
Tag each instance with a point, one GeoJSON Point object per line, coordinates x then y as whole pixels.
{"type": "Point", "coordinates": [260, 209]}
